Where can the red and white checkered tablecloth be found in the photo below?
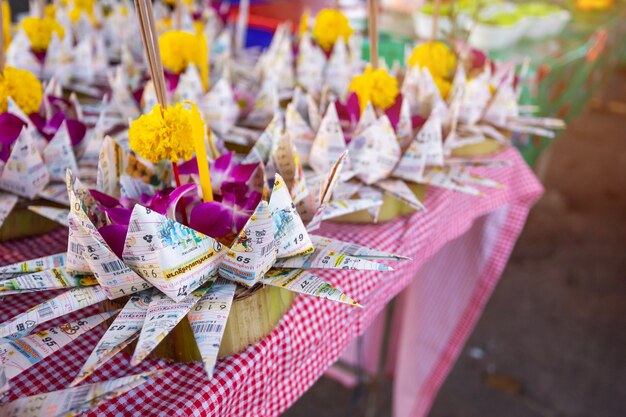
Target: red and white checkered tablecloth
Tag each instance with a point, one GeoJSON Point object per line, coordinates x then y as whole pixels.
{"type": "Point", "coordinates": [269, 376]}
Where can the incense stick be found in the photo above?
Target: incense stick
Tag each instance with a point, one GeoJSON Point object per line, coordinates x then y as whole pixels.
{"type": "Point", "coordinates": [148, 36]}
{"type": "Point", "coordinates": [2, 57]}
{"type": "Point", "coordinates": [372, 12]}
{"type": "Point", "coordinates": [178, 15]}
{"type": "Point", "coordinates": [436, 13]}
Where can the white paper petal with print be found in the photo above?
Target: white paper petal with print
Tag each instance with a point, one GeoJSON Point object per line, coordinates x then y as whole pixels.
{"type": "Point", "coordinates": [59, 155]}
{"type": "Point", "coordinates": [33, 265]}
{"type": "Point", "coordinates": [123, 331]}
{"type": "Point", "coordinates": [171, 256]}
{"type": "Point", "coordinates": [289, 231]}
{"type": "Point", "coordinates": [375, 152]}
{"type": "Point", "coordinates": [117, 279]}
{"type": "Point", "coordinates": [56, 214]}
{"type": "Point", "coordinates": [254, 251]}
{"type": "Point", "coordinates": [72, 300]}
{"type": "Point", "coordinates": [162, 316]}
{"type": "Point", "coordinates": [304, 282]}
{"type": "Point", "coordinates": [50, 279]}
{"type": "Point", "coordinates": [30, 350]}
{"type": "Point", "coordinates": [352, 249]}
{"type": "Point", "coordinates": [401, 191]}
{"type": "Point", "coordinates": [329, 143]}
{"type": "Point", "coordinates": [208, 320]}
{"type": "Point", "coordinates": [7, 203]}
{"type": "Point", "coordinates": [72, 401]}
{"type": "Point", "coordinates": [25, 173]}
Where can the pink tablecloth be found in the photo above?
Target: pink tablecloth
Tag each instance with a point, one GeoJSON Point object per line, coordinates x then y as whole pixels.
{"type": "Point", "coordinates": [268, 377]}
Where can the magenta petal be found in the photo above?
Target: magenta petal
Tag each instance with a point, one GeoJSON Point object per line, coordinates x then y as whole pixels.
{"type": "Point", "coordinates": [417, 121]}
{"type": "Point", "coordinates": [10, 128]}
{"type": "Point", "coordinates": [137, 95]}
{"type": "Point", "coordinates": [222, 164]}
{"type": "Point", "coordinates": [60, 104]}
{"type": "Point", "coordinates": [353, 107]}
{"type": "Point", "coordinates": [242, 172]}
{"type": "Point", "coordinates": [172, 80]}
{"type": "Point", "coordinates": [178, 193]}
{"type": "Point", "coordinates": [234, 194]}
{"type": "Point", "coordinates": [104, 199]}
{"type": "Point", "coordinates": [77, 130]}
{"type": "Point", "coordinates": [188, 167]}
{"type": "Point", "coordinates": [240, 218]}
{"type": "Point", "coordinates": [40, 56]}
{"type": "Point", "coordinates": [393, 112]}
{"type": "Point", "coordinates": [159, 202]}
{"type": "Point", "coordinates": [114, 235]}
{"type": "Point", "coordinates": [119, 215]}
{"type": "Point", "coordinates": [212, 218]}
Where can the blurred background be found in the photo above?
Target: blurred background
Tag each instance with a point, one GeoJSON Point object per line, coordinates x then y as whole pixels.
{"type": "Point", "coordinates": [552, 339]}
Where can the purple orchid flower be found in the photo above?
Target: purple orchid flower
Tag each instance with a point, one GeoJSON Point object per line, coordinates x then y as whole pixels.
{"type": "Point", "coordinates": [10, 129]}
{"type": "Point", "coordinates": [164, 202]}
{"type": "Point", "coordinates": [63, 111]}
{"type": "Point", "coordinates": [219, 219]}
{"type": "Point", "coordinates": [224, 170]}
{"type": "Point", "coordinates": [349, 114]}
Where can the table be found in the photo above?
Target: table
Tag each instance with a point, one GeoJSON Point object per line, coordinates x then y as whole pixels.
{"type": "Point", "coordinates": [269, 376]}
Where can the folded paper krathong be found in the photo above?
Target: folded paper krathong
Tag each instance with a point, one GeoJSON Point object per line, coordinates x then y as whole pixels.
{"type": "Point", "coordinates": [168, 271]}
{"type": "Point", "coordinates": [36, 150]}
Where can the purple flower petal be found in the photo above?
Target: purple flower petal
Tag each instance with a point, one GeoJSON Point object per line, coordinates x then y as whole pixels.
{"type": "Point", "coordinates": [10, 129]}
{"type": "Point", "coordinates": [188, 167]}
{"type": "Point", "coordinates": [177, 194]}
{"type": "Point", "coordinates": [114, 235]}
{"type": "Point", "coordinates": [159, 202]}
{"type": "Point", "coordinates": [212, 218]}
{"type": "Point", "coordinates": [172, 80]}
{"type": "Point", "coordinates": [353, 107]}
{"type": "Point", "coordinates": [77, 131]}
{"type": "Point", "coordinates": [393, 112]}
{"type": "Point", "coordinates": [119, 215]}
{"type": "Point", "coordinates": [242, 172]}
{"type": "Point", "coordinates": [222, 165]}
{"type": "Point", "coordinates": [104, 199]}
{"type": "Point", "coordinates": [417, 121]}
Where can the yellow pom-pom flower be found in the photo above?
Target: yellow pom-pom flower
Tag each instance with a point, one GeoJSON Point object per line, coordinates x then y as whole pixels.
{"type": "Point", "coordinates": [39, 31]}
{"type": "Point", "coordinates": [330, 24]}
{"type": "Point", "coordinates": [304, 23]}
{"type": "Point", "coordinates": [443, 86]}
{"type": "Point", "coordinates": [50, 11]}
{"type": "Point", "coordinates": [6, 23]}
{"type": "Point", "coordinates": [376, 86]}
{"type": "Point", "coordinates": [436, 56]}
{"type": "Point", "coordinates": [166, 134]}
{"type": "Point", "coordinates": [23, 87]}
{"type": "Point", "coordinates": [173, 2]}
{"type": "Point", "coordinates": [179, 49]}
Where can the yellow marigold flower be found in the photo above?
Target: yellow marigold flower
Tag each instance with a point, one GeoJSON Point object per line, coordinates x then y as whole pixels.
{"type": "Point", "coordinates": [443, 86]}
{"type": "Point", "coordinates": [330, 24]}
{"type": "Point", "coordinates": [436, 56]}
{"type": "Point", "coordinates": [166, 134]}
{"type": "Point", "coordinates": [6, 22]}
{"type": "Point", "coordinates": [50, 11]}
{"type": "Point", "coordinates": [179, 49]}
{"type": "Point", "coordinates": [376, 86]}
{"type": "Point", "coordinates": [39, 31]}
{"type": "Point", "coordinates": [23, 87]}
{"type": "Point", "coordinates": [304, 23]}
{"type": "Point", "coordinates": [173, 2]}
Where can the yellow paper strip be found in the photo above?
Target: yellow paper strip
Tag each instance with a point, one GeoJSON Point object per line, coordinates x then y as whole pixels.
{"type": "Point", "coordinates": [203, 168]}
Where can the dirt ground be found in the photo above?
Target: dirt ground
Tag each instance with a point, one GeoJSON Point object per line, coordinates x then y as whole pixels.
{"type": "Point", "coordinates": [552, 339]}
